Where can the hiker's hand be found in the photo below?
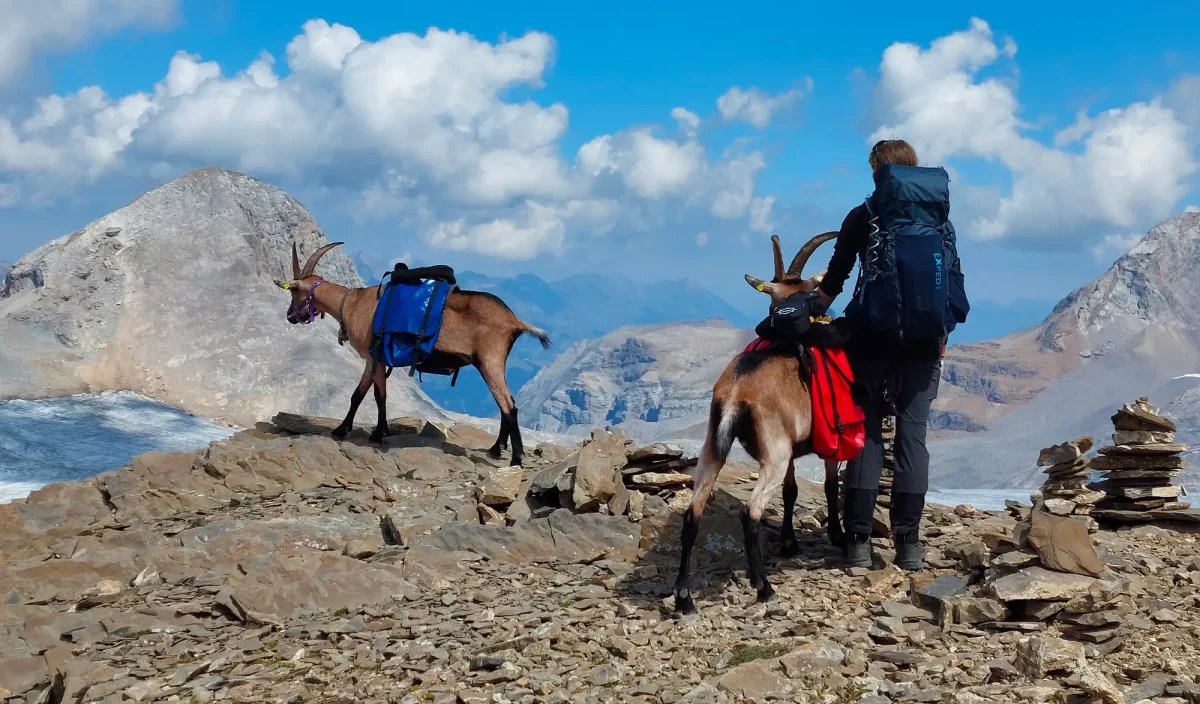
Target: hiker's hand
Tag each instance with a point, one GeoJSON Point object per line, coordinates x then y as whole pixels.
{"type": "Point", "coordinates": [942, 352]}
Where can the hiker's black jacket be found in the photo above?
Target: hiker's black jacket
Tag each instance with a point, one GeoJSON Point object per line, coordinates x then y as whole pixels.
{"type": "Point", "coordinates": [850, 243]}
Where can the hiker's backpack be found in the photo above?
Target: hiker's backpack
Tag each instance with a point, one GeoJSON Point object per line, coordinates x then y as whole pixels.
{"type": "Point", "coordinates": [910, 281]}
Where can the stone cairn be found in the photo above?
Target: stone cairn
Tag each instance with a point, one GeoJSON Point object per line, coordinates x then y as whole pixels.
{"type": "Point", "coordinates": [607, 475]}
{"type": "Point", "coordinates": [1138, 468]}
{"type": "Point", "coordinates": [1065, 491]}
{"type": "Point", "coordinates": [1046, 574]}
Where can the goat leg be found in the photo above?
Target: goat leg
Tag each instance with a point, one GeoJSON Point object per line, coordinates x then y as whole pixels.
{"type": "Point", "coordinates": [757, 572]}
{"type": "Point", "coordinates": [788, 547]}
{"type": "Point", "coordinates": [381, 404]}
{"type": "Point", "coordinates": [687, 538]}
{"type": "Point", "coordinates": [497, 448]}
{"type": "Point", "coordinates": [514, 432]}
{"type": "Point", "coordinates": [360, 392]}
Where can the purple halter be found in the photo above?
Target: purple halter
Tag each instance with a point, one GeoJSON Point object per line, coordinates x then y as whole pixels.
{"type": "Point", "coordinates": [306, 307]}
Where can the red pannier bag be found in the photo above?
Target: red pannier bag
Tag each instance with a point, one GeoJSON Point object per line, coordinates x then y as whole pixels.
{"type": "Point", "coordinates": [838, 431]}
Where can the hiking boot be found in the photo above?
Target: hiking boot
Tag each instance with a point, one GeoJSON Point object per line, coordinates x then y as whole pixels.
{"type": "Point", "coordinates": [910, 554]}
{"type": "Point", "coordinates": [858, 550]}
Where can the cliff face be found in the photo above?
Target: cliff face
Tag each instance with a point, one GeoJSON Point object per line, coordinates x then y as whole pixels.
{"type": "Point", "coordinates": [171, 296]}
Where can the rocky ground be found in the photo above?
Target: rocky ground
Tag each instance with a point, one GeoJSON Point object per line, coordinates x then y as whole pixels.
{"type": "Point", "coordinates": [282, 566]}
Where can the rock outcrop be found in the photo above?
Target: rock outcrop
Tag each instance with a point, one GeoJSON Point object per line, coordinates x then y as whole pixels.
{"type": "Point", "coordinates": [171, 296]}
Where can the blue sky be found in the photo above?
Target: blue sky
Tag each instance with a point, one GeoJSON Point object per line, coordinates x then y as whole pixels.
{"type": "Point", "coordinates": [597, 174]}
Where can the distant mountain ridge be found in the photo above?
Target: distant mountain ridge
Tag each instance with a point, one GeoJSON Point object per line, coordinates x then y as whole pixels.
{"type": "Point", "coordinates": [573, 309]}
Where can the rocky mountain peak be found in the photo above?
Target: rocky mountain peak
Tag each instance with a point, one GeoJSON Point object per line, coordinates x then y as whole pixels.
{"type": "Point", "coordinates": [172, 296]}
{"type": "Point", "coordinates": [1153, 283]}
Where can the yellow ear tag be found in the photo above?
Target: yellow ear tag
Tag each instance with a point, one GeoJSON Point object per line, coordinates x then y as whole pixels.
{"type": "Point", "coordinates": [759, 287]}
{"type": "Point", "coordinates": [284, 286]}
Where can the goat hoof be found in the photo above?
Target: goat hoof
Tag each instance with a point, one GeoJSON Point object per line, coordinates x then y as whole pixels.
{"type": "Point", "coordinates": [684, 604]}
{"type": "Point", "coordinates": [376, 437]}
{"type": "Point", "coordinates": [517, 461]}
{"type": "Point", "coordinates": [789, 548]}
{"type": "Point", "coordinates": [340, 433]}
{"type": "Point", "coordinates": [765, 593]}
{"type": "Point", "coordinates": [755, 582]}
{"type": "Point", "coordinates": [494, 452]}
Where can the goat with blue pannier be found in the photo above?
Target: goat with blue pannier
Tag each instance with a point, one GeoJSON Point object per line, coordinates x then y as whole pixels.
{"type": "Point", "coordinates": [419, 319]}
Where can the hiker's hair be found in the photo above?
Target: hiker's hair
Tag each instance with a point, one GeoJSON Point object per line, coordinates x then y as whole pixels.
{"type": "Point", "coordinates": [892, 151]}
{"type": "Point", "coordinates": [478, 329]}
{"type": "Point", "coordinates": [762, 402]}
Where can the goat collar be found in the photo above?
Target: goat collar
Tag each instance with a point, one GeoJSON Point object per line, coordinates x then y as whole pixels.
{"type": "Point", "coordinates": [307, 308]}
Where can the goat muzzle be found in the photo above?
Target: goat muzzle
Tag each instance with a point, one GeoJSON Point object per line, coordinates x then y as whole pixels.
{"type": "Point", "coordinates": [306, 312]}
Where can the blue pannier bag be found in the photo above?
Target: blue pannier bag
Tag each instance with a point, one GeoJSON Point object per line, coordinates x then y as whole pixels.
{"type": "Point", "coordinates": [407, 321]}
{"type": "Point", "coordinates": [910, 280]}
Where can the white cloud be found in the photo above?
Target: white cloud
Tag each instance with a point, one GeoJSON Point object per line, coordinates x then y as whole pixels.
{"type": "Point", "coordinates": [1192, 209]}
{"type": "Point", "coordinates": [702, 239]}
{"type": "Point", "coordinates": [689, 122]}
{"type": "Point", "coordinates": [1122, 169]}
{"type": "Point", "coordinates": [760, 213]}
{"type": "Point", "coordinates": [418, 128]}
{"type": "Point", "coordinates": [28, 27]}
{"type": "Point", "coordinates": [1115, 246]}
{"type": "Point", "coordinates": [756, 107]}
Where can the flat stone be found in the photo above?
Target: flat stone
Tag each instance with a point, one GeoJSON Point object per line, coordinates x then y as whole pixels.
{"type": "Point", "coordinates": [1108, 463]}
{"type": "Point", "coordinates": [1058, 507]}
{"type": "Point", "coordinates": [1145, 492]}
{"type": "Point", "coordinates": [660, 480]}
{"type": "Point", "coordinates": [499, 487]}
{"type": "Point", "coordinates": [1173, 448]}
{"type": "Point", "coordinates": [976, 610]}
{"type": "Point", "coordinates": [1037, 583]}
{"type": "Point", "coordinates": [941, 590]}
{"type": "Point", "coordinates": [817, 655]}
{"type": "Point", "coordinates": [1042, 655]}
{"type": "Point", "coordinates": [754, 682]}
{"type": "Point", "coordinates": [1064, 452]}
{"type": "Point", "coordinates": [1139, 415]}
{"type": "Point", "coordinates": [655, 453]}
{"type": "Point", "coordinates": [1142, 437]}
{"type": "Point", "coordinates": [1063, 543]}
{"type": "Point", "coordinates": [1022, 626]}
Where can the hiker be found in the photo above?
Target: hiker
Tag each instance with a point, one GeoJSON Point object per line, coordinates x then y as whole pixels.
{"type": "Point", "coordinates": [908, 299]}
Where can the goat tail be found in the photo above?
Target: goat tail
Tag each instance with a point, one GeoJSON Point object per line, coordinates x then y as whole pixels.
{"type": "Point", "coordinates": [541, 335]}
{"type": "Point", "coordinates": [722, 429]}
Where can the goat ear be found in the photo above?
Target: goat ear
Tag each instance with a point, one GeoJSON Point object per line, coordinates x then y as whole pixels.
{"type": "Point", "coordinates": [286, 285]}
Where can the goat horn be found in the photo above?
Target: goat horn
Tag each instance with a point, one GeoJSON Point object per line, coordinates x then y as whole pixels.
{"type": "Point", "coordinates": [295, 262]}
{"type": "Point", "coordinates": [807, 250]}
{"type": "Point", "coordinates": [311, 265]}
{"type": "Point", "coordinates": [778, 254]}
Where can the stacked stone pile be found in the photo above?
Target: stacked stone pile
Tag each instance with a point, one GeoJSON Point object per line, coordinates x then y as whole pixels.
{"type": "Point", "coordinates": [1139, 467]}
{"type": "Point", "coordinates": [1065, 491]}
{"type": "Point", "coordinates": [1045, 574]}
{"type": "Point", "coordinates": [607, 475]}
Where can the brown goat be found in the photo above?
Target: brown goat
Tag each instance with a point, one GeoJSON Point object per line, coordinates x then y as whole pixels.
{"type": "Point", "coordinates": [762, 401]}
{"type": "Point", "coordinates": [478, 329]}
